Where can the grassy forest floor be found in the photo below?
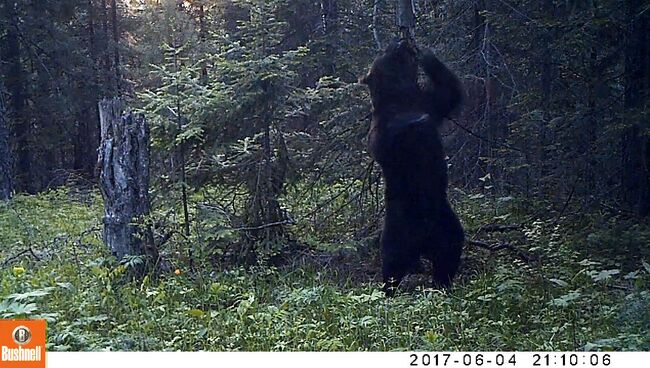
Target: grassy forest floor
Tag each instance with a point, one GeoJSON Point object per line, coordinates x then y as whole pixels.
{"type": "Point", "coordinates": [576, 282]}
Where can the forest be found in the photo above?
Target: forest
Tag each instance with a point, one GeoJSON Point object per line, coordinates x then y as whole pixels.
{"type": "Point", "coordinates": [203, 175]}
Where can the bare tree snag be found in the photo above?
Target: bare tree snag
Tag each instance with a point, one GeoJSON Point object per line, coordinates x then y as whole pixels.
{"type": "Point", "coordinates": [375, 25]}
{"type": "Point", "coordinates": [124, 181]}
{"type": "Point", "coordinates": [406, 20]}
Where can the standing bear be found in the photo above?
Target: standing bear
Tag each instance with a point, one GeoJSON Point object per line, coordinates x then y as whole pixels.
{"type": "Point", "coordinates": [404, 140]}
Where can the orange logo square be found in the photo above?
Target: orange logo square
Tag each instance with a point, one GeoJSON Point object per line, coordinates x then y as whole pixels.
{"type": "Point", "coordinates": [22, 343]}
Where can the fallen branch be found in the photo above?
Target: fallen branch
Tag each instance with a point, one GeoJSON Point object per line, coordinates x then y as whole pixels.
{"type": "Point", "coordinates": [492, 228]}
{"type": "Point", "coordinates": [500, 246]}
{"type": "Point", "coordinates": [618, 287]}
{"type": "Point", "coordinates": [23, 252]}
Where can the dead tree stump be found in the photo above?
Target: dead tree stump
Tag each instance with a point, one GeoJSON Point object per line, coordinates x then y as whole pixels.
{"type": "Point", "coordinates": [124, 181]}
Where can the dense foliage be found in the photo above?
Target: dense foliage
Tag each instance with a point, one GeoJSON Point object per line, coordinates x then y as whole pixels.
{"type": "Point", "coordinates": [258, 130]}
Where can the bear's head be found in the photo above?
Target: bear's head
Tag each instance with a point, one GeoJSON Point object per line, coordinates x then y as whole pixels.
{"type": "Point", "coordinates": [394, 74]}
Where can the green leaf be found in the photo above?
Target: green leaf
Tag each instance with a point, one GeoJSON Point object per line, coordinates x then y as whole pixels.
{"type": "Point", "coordinates": [9, 309]}
{"type": "Point", "coordinates": [646, 266]}
{"type": "Point", "coordinates": [30, 295]}
{"type": "Point", "coordinates": [559, 282]}
{"type": "Point", "coordinates": [565, 300]}
{"type": "Point", "coordinates": [64, 285]}
{"type": "Point", "coordinates": [195, 312]}
{"type": "Point", "coordinates": [605, 275]}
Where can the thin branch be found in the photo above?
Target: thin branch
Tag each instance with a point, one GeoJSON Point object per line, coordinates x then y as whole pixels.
{"type": "Point", "coordinates": [278, 223]}
{"type": "Point", "coordinates": [22, 252]}
{"type": "Point", "coordinates": [505, 145]}
{"type": "Point", "coordinates": [500, 246]}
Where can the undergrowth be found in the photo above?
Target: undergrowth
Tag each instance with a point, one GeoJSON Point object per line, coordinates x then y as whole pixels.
{"type": "Point", "coordinates": [560, 284]}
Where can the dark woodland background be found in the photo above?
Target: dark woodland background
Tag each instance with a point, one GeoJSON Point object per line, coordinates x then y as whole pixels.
{"type": "Point", "coordinates": [263, 193]}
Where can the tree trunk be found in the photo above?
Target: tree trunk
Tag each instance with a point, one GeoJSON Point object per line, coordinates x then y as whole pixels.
{"type": "Point", "coordinates": [545, 86]}
{"type": "Point", "coordinates": [330, 15]}
{"type": "Point", "coordinates": [5, 153]}
{"type": "Point", "coordinates": [104, 43]}
{"type": "Point", "coordinates": [116, 47]}
{"type": "Point", "coordinates": [15, 84]}
{"type": "Point", "coordinates": [375, 25]}
{"type": "Point", "coordinates": [265, 215]}
{"type": "Point", "coordinates": [86, 137]}
{"type": "Point", "coordinates": [636, 170]}
{"type": "Point", "coordinates": [203, 39]}
{"type": "Point", "coordinates": [124, 181]}
{"type": "Point", "coordinates": [181, 154]}
{"type": "Point", "coordinates": [406, 19]}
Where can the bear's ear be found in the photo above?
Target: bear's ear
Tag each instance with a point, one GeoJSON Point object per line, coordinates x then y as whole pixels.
{"type": "Point", "coordinates": [405, 48]}
{"type": "Point", "coordinates": [365, 79]}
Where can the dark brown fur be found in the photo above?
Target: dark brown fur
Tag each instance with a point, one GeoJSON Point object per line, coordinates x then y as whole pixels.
{"type": "Point", "coordinates": [404, 140]}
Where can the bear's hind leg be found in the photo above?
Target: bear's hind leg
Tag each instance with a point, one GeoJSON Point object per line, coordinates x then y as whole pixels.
{"type": "Point", "coordinates": [394, 268]}
{"type": "Point", "coordinates": [400, 249]}
{"type": "Point", "coordinates": [447, 252]}
{"type": "Point", "coordinates": [445, 266]}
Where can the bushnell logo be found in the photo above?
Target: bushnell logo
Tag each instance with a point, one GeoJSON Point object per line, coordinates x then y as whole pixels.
{"type": "Point", "coordinates": [22, 335]}
{"type": "Point", "coordinates": [22, 344]}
